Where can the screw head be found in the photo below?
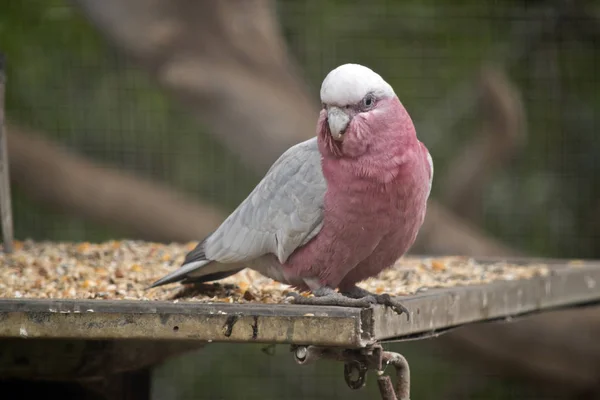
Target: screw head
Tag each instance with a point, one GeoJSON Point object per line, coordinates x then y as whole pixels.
{"type": "Point", "coordinates": [301, 353]}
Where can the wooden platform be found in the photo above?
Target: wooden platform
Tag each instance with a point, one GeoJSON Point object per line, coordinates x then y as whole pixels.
{"type": "Point", "coordinates": [431, 312]}
{"type": "Point", "coordinates": [74, 340]}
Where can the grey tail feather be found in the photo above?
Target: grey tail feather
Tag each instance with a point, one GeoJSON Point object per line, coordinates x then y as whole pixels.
{"type": "Point", "coordinates": [193, 260]}
{"type": "Point", "coordinates": [198, 254]}
{"type": "Point", "coordinates": [179, 274]}
{"type": "Point", "coordinates": [215, 276]}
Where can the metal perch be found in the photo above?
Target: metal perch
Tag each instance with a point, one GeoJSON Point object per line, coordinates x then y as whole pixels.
{"type": "Point", "coordinates": [5, 204]}
{"type": "Point", "coordinates": [101, 332]}
{"type": "Point", "coordinates": [357, 362]}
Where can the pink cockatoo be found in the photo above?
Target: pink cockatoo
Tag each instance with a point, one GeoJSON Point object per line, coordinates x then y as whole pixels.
{"type": "Point", "coordinates": [333, 210]}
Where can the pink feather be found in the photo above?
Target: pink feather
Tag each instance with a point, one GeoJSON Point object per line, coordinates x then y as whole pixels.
{"type": "Point", "coordinates": [378, 181]}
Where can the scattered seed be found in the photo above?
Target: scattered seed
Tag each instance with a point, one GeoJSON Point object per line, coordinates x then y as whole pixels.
{"type": "Point", "coordinates": [124, 269]}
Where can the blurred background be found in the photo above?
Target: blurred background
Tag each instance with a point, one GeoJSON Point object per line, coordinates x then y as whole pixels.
{"type": "Point", "coordinates": [152, 119]}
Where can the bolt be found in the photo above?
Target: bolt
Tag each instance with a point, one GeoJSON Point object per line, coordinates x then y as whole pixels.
{"type": "Point", "coordinates": [301, 353]}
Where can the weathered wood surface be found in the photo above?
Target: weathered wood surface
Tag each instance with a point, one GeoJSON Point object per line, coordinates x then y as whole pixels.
{"type": "Point", "coordinates": [89, 339]}
{"type": "Point", "coordinates": [431, 312]}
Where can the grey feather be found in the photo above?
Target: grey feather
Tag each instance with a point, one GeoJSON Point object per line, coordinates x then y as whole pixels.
{"type": "Point", "coordinates": [197, 254]}
{"type": "Point", "coordinates": [193, 260]}
{"type": "Point", "coordinates": [180, 274]}
{"type": "Point", "coordinates": [215, 276]}
{"type": "Point", "coordinates": [282, 213]}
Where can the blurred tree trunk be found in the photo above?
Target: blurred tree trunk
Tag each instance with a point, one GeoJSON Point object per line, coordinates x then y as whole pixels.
{"type": "Point", "coordinates": [225, 61]}
{"type": "Point", "coordinates": [557, 351]}
{"type": "Point", "coordinates": [501, 135]}
{"type": "Point", "coordinates": [53, 176]}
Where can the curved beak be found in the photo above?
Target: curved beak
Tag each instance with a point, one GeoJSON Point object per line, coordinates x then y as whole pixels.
{"type": "Point", "coordinates": [338, 121]}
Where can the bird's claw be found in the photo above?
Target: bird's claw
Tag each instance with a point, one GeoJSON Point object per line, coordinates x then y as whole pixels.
{"type": "Point", "coordinates": [391, 302]}
{"type": "Point", "coordinates": [341, 300]}
{"type": "Point", "coordinates": [383, 299]}
{"type": "Point", "coordinates": [331, 299]}
{"type": "Point", "coordinates": [293, 297]}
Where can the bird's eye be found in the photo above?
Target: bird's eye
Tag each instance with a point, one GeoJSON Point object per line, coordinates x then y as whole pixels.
{"type": "Point", "coordinates": [368, 101]}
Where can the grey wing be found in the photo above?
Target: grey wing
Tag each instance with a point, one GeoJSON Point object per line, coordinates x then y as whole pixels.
{"type": "Point", "coordinates": [283, 212]}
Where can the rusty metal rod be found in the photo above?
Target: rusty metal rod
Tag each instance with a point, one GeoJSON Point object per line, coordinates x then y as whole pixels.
{"type": "Point", "coordinates": [402, 373]}
{"type": "Point", "coordinates": [386, 389]}
{"type": "Point", "coordinates": [5, 202]}
{"type": "Point", "coordinates": [358, 362]}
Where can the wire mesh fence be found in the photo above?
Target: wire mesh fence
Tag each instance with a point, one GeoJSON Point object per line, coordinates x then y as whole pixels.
{"type": "Point", "coordinates": [505, 95]}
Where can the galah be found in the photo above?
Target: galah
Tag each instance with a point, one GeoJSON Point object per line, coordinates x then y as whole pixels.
{"type": "Point", "coordinates": [333, 210]}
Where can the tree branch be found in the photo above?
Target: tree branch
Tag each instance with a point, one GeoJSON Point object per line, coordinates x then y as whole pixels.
{"type": "Point", "coordinates": [502, 133]}
{"type": "Point", "coordinates": [53, 176]}
{"type": "Point", "coordinates": [444, 233]}
{"type": "Point", "coordinates": [558, 351]}
{"type": "Point", "coordinates": [225, 61]}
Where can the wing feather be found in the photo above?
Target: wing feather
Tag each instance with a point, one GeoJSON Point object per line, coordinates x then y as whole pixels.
{"type": "Point", "coordinates": [282, 213]}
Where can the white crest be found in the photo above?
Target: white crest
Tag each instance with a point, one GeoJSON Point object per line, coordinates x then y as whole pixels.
{"type": "Point", "coordinates": [349, 83]}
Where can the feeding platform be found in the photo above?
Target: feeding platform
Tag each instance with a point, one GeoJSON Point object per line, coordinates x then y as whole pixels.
{"type": "Point", "coordinates": [89, 293]}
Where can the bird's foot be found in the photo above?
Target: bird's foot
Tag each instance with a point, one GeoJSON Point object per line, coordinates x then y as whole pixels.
{"type": "Point", "coordinates": [325, 296]}
{"type": "Point", "coordinates": [355, 297]}
{"type": "Point", "coordinates": [383, 299]}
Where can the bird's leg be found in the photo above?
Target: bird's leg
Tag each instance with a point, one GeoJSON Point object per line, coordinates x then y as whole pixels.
{"type": "Point", "coordinates": [385, 299]}
{"type": "Point", "coordinates": [326, 296]}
